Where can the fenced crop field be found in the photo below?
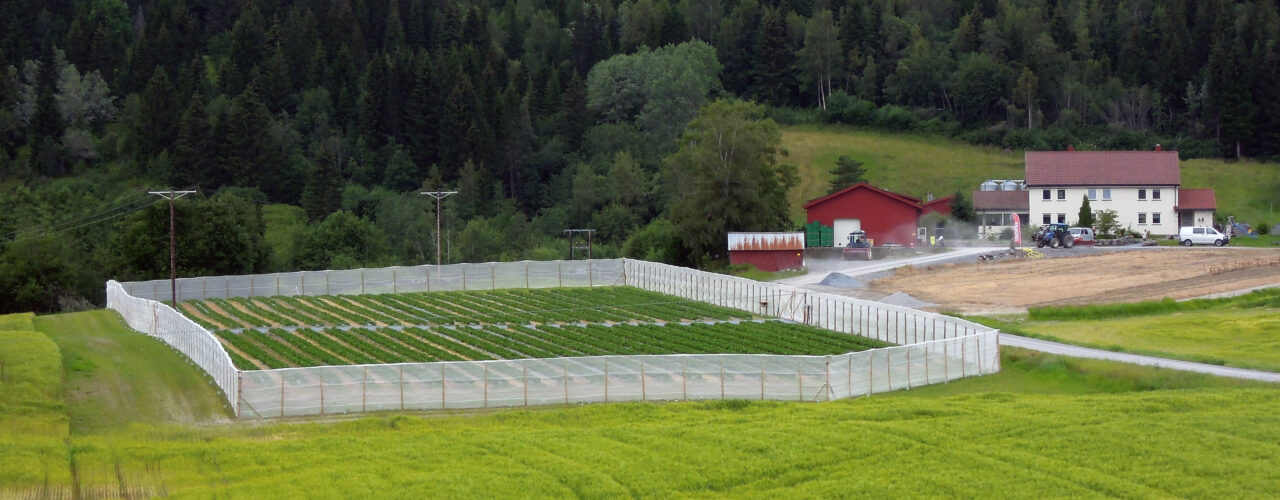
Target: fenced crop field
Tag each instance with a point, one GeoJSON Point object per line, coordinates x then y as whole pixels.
{"type": "Point", "coordinates": [286, 332]}
{"type": "Point", "coordinates": [535, 333]}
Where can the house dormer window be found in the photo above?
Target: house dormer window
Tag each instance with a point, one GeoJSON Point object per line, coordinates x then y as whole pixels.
{"type": "Point", "coordinates": [1142, 194]}
{"type": "Point", "coordinates": [1155, 194]}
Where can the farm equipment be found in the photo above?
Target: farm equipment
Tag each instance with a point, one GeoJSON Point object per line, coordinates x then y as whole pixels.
{"type": "Point", "coordinates": [1054, 235]}
{"type": "Point", "coordinates": [858, 247]}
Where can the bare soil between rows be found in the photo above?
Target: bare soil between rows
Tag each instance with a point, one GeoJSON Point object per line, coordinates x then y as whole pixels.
{"type": "Point", "coordinates": [1123, 276]}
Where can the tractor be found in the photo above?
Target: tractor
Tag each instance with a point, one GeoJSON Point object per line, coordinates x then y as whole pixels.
{"type": "Point", "coordinates": [1054, 235]}
{"type": "Point", "coordinates": [858, 247]}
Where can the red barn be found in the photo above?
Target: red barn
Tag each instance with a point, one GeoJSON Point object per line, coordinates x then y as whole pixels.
{"type": "Point", "coordinates": [885, 216]}
{"type": "Point", "coordinates": [767, 251]}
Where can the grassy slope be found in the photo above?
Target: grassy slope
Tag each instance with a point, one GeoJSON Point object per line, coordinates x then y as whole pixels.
{"type": "Point", "coordinates": [116, 376]}
{"type": "Point", "coordinates": [34, 429]}
{"type": "Point", "coordinates": [917, 165]}
{"type": "Point", "coordinates": [1045, 425]}
{"type": "Point", "coordinates": [908, 164]}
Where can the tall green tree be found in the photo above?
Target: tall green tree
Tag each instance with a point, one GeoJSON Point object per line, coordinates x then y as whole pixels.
{"type": "Point", "coordinates": [158, 113]}
{"type": "Point", "coordinates": [821, 56]}
{"type": "Point", "coordinates": [726, 177]}
{"type": "Point", "coordinates": [1085, 217]}
{"type": "Point", "coordinates": [847, 172]}
{"type": "Point", "coordinates": [961, 207]}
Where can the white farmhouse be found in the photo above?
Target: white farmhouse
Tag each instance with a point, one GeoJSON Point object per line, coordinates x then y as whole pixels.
{"type": "Point", "coordinates": [1142, 187]}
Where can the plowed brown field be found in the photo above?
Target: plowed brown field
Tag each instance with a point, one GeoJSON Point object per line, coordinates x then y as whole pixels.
{"type": "Point", "coordinates": [1122, 276]}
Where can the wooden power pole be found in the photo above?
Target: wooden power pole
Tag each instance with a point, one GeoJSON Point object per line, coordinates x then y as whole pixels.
{"type": "Point", "coordinates": [173, 258]}
{"type": "Point", "coordinates": [438, 195]}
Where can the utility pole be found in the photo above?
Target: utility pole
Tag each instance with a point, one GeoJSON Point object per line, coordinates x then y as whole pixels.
{"type": "Point", "coordinates": [438, 195]}
{"type": "Point", "coordinates": [571, 233]}
{"type": "Point", "coordinates": [173, 258]}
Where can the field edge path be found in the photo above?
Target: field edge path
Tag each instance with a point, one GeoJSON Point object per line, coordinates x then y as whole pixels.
{"type": "Point", "coordinates": [1137, 359]}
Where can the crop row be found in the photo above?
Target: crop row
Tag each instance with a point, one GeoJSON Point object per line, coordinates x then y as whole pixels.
{"type": "Point", "coordinates": [279, 348]}
{"type": "Point", "coordinates": [513, 306]}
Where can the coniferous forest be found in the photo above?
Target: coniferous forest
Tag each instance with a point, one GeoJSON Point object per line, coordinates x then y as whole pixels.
{"type": "Point", "coordinates": [308, 127]}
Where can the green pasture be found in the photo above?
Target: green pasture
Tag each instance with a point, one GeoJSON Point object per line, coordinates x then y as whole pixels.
{"type": "Point", "coordinates": [917, 165]}
{"type": "Point", "coordinates": [1239, 331]}
{"type": "Point", "coordinates": [33, 418]}
{"type": "Point", "coordinates": [138, 421]}
{"type": "Point", "coordinates": [913, 165]}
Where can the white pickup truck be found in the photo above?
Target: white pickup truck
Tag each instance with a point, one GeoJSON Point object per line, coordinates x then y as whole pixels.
{"type": "Point", "coordinates": [1083, 235]}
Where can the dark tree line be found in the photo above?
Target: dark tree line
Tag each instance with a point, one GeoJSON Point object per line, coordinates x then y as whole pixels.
{"type": "Point", "coordinates": [551, 114]}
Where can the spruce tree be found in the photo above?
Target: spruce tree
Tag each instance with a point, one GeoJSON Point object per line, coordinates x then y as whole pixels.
{"type": "Point", "coordinates": [961, 208]}
{"type": "Point", "coordinates": [1085, 217]}
{"type": "Point", "coordinates": [193, 148]}
{"type": "Point", "coordinates": [848, 172]}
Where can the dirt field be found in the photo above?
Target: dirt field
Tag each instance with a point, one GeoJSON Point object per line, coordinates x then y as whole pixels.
{"type": "Point", "coordinates": [1127, 276]}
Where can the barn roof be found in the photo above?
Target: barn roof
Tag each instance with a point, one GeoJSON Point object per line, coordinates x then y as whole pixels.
{"type": "Point", "coordinates": [1102, 168]}
{"type": "Point", "coordinates": [907, 200]}
{"type": "Point", "coordinates": [1001, 200]}
{"type": "Point", "coordinates": [1196, 199]}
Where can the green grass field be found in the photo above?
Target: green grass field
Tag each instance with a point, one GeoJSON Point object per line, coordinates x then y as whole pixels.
{"type": "Point", "coordinates": [1044, 426]}
{"type": "Point", "coordinates": [1241, 331]}
{"type": "Point", "coordinates": [917, 165]}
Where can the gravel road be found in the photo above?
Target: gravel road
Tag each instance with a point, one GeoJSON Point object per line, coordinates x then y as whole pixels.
{"type": "Point", "coordinates": [1173, 364]}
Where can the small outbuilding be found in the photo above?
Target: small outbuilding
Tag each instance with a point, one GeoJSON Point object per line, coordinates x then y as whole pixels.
{"type": "Point", "coordinates": [767, 251]}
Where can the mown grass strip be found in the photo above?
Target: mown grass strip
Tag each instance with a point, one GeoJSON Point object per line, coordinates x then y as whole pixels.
{"type": "Point", "coordinates": [1269, 298]}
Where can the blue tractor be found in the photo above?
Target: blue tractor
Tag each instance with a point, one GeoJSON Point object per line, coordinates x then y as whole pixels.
{"type": "Point", "coordinates": [1055, 236]}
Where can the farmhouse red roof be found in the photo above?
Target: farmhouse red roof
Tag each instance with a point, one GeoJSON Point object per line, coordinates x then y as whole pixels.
{"type": "Point", "coordinates": [1001, 200]}
{"type": "Point", "coordinates": [1102, 168]}
{"type": "Point", "coordinates": [1196, 199]}
{"type": "Point", "coordinates": [899, 197]}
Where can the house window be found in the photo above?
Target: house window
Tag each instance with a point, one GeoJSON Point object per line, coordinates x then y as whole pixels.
{"type": "Point", "coordinates": [1093, 195]}
{"type": "Point", "coordinates": [1155, 194]}
{"type": "Point", "coordinates": [1142, 218]}
{"type": "Point", "coordinates": [1155, 218]}
{"type": "Point", "coordinates": [1062, 194]}
{"type": "Point", "coordinates": [1046, 217]}
{"type": "Point", "coordinates": [1062, 218]}
{"type": "Point", "coordinates": [1046, 194]}
{"type": "Point", "coordinates": [1106, 194]}
{"type": "Point", "coordinates": [1142, 194]}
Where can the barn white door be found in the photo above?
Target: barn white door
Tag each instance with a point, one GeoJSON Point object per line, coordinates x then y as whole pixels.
{"type": "Point", "coordinates": [842, 229]}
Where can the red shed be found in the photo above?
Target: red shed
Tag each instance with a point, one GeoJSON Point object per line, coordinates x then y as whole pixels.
{"type": "Point", "coordinates": [767, 251]}
{"type": "Point", "coordinates": [941, 205]}
{"type": "Point", "coordinates": [887, 217]}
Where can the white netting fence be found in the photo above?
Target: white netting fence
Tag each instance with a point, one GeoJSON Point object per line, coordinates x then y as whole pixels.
{"type": "Point", "coordinates": [171, 327]}
{"type": "Point", "coordinates": [453, 277]}
{"type": "Point", "coordinates": [935, 348]}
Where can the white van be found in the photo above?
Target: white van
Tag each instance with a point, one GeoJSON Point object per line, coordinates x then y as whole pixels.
{"type": "Point", "coordinates": [1201, 236]}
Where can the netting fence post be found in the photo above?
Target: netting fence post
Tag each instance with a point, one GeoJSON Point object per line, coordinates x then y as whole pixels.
{"type": "Point", "coordinates": [464, 277]}
{"type": "Point", "coordinates": [684, 380]}
{"type": "Point", "coordinates": [401, 387]}
{"type": "Point", "coordinates": [606, 380]}
{"type": "Point", "coordinates": [644, 393]}
{"type": "Point", "coordinates": [722, 378]}
{"type": "Point", "coordinates": [566, 381]}
{"type": "Point", "coordinates": [888, 364]}
{"type": "Point", "coordinates": [277, 284]}
{"type": "Point", "coordinates": [800, 377]}
{"type": "Point", "coordinates": [908, 367]}
{"type": "Point", "coordinates": [526, 275]}
{"type": "Point", "coordinates": [762, 379]}
{"type": "Point", "coordinates": [443, 395]}
{"type": "Point", "coordinates": [927, 378]}
{"type": "Point", "coordinates": [963, 358]}
{"type": "Point", "coordinates": [946, 361]}
{"type": "Point", "coordinates": [322, 393]}
{"type": "Point", "coordinates": [364, 390]}
{"type": "Point", "coordinates": [493, 279]}
{"type": "Point", "coordinates": [395, 283]}
{"type": "Point", "coordinates": [204, 289]}
{"type": "Point", "coordinates": [326, 283]}
{"type": "Point", "coordinates": [282, 394]}
{"type": "Point", "coordinates": [560, 274]}
{"type": "Point", "coordinates": [524, 368]}
{"type": "Point", "coordinates": [486, 385]}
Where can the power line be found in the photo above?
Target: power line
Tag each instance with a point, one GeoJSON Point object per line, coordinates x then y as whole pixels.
{"type": "Point", "coordinates": [110, 213]}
